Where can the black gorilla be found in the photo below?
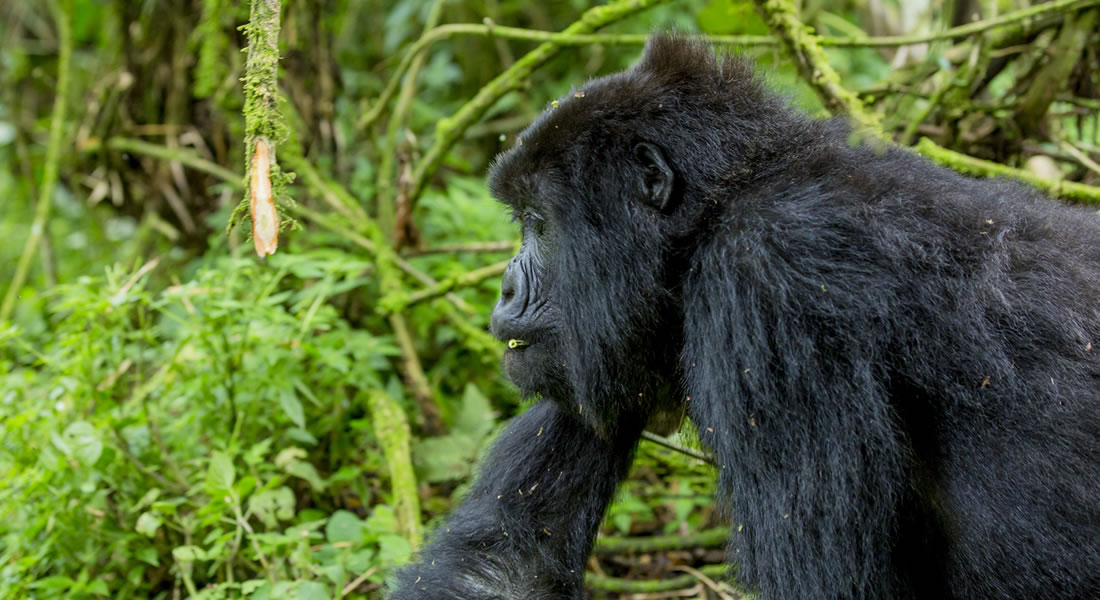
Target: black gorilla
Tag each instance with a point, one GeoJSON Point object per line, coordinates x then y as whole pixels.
{"type": "Point", "coordinates": [893, 363]}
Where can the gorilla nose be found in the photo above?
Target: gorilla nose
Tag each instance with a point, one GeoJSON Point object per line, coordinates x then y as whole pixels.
{"type": "Point", "coordinates": [507, 316]}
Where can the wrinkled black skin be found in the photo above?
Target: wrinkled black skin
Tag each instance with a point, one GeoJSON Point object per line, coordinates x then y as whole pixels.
{"type": "Point", "coordinates": [893, 363]}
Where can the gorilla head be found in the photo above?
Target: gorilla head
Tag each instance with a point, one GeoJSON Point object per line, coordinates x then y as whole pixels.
{"type": "Point", "coordinates": [611, 187]}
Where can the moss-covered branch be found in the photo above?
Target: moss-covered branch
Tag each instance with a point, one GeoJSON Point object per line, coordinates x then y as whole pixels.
{"type": "Point", "coordinates": [62, 10]}
{"type": "Point", "coordinates": [448, 31]}
{"type": "Point", "coordinates": [264, 126]}
{"type": "Point", "coordinates": [465, 280]}
{"type": "Point", "coordinates": [628, 586]}
{"type": "Point", "coordinates": [1069, 190]}
{"type": "Point", "coordinates": [1035, 12]}
{"type": "Point", "coordinates": [392, 430]}
{"type": "Point", "coordinates": [562, 38]}
{"type": "Point", "coordinates": [805, 47]}
{"type": "Point", "coordinates": [711, 538]}
{"type": "Point", "coordinates": [450, 130]}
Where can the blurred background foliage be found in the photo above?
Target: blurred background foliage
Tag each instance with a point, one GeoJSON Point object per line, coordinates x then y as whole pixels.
{"type": "Point", "coordinates": [180, 419]}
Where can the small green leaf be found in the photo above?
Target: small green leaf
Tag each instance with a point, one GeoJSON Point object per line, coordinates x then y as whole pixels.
{"type": "Point", "coordinates": [475, 418]}
{"type": "Point", "coordinates": [148, 555]}
{"type": "Point", "coordinates": [220, 474]}
{"type": "Point", "coordinates": [308, 472]}
{"type": "Point", "coordinates": [255, 455]}
{"type": "Point", "coordinates": [55, 582]}
{"type": "Point", "coordinates": [394, 549]}
{"type": "Point", "coordinates": [288, 456]}
{"type": "Point", "coordinates": [245, 486]}
{"type": "Point", "coordinates": [381, 520]}
{"type": "Point", "coordinates": [312, 590]}
{"type": "Point", "coordinates": [188, 553]}
{"type": "Point", "coordinates": [270, 506]}
{"type": "Point", "coordinates": [84, 442]}
{"type": "Point", "coordinates": [344, 526]}
{"type": "Point", "coordinates": [148, 524]}
{"type": "Point", "coordinates": [292, 406]}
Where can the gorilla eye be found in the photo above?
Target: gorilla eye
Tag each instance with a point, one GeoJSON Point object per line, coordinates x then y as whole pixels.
{"type": "Point", "coordinates": [532, 221]}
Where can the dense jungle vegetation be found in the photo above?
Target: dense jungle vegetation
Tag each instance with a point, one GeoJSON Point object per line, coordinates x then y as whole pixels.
{"type": "Point", "coordinates": [183, 419]}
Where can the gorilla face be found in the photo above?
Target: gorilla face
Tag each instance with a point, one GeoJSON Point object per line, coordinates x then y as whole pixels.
{"type": "Point", "coordinates": [616, 187]}
{"type": "Point", "coordinates": [524, 317]}
{"type": "Point", "coordinates": [584, 305]}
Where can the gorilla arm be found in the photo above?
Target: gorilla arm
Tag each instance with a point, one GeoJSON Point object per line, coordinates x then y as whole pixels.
{"type": "Point", "coordinates": [528, 524]}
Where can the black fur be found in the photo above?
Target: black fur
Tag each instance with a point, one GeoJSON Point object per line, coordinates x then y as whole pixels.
{"type": "Point", "coordinates": [893, 363]}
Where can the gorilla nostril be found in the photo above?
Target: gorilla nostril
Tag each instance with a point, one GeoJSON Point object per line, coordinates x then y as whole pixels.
{"type": "Point", "coordinates": [508, 284]}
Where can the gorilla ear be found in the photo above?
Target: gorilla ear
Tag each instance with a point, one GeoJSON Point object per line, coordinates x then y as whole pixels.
{"type": "Point", "coordinates": [657, 177]}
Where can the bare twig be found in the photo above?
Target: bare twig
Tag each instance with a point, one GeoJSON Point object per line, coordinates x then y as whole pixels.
{"type": "Point", "coordinates": [663, 441]}
{"type": "Point", "coordinates": [358, 581]}
{"type": "Point", "coordinates": [1070, 148]}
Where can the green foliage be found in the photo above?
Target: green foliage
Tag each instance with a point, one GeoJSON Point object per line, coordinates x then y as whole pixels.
{"type": "Point", "coordinates": [180, 420]}
{"type": "Point", "coordinates": [449, 457]}
{"type": "Point", "coordinates": [685, 502]}
{"type": "Point", "coordinates": [178, 431]}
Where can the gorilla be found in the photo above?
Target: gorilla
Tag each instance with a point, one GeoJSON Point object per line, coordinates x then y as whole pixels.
{"type": "Point", "coordinates": [893, 364]}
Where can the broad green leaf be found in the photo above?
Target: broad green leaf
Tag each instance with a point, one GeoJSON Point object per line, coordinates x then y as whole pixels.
{"type": "Point", "coordinates": [220, 474]}
{"type": "Point", "coordinates": [188, 553]}
{"type": "Point", "coordinates": [344, 526]}
{"type": "Point", "coordinates": [292, 406]}
{"type": "Point", "coordinates": [308, 472]}
{"type": "Point", "coordinates": [83, 441]}
{"type": "Point", "coordinates": [55, 582]}
{"type": "Point", "coordinates": [270, 506]}
{"type": "Point", "coordinates": [394, 549]}
{"type": "Point", "coordinates": [445, 458]}
{"type": "Point", "coordinates": [475, 418]}
{"type": "Point", "coordinates": [148, 555]}
{"type": "Point", "coordinates": [148, 524]}
{"type": "Point", "coordinates": [312, 590]}
{"type": "Point", "coordinates": [381, 520]}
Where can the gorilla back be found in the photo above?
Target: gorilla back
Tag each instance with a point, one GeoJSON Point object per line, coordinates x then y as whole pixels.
{"type": "Point", "coordinates": [892, 363]}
